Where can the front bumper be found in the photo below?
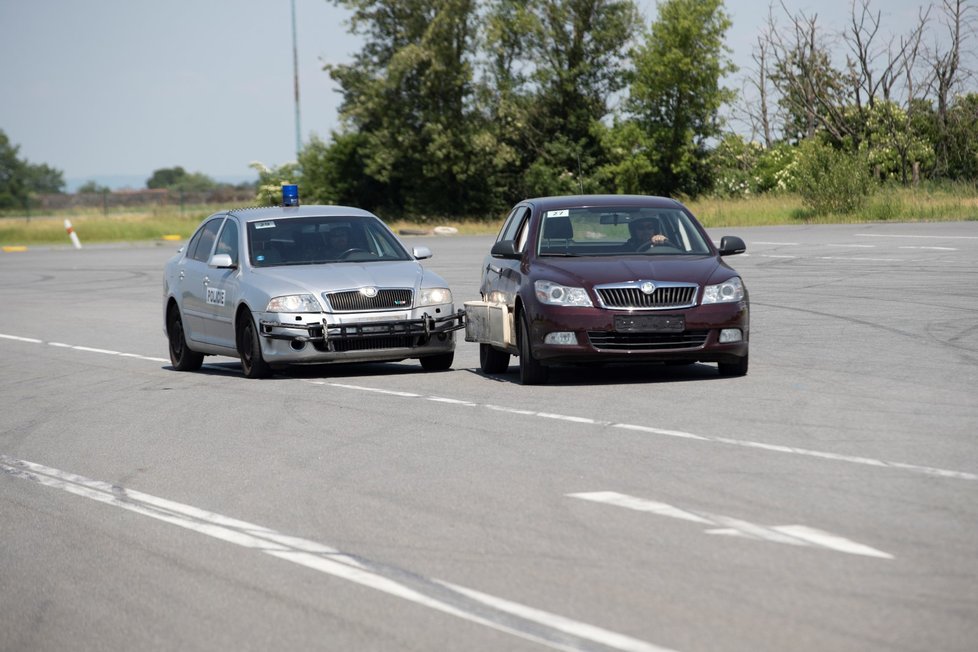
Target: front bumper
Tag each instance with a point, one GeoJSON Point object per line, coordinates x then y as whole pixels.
{"type": "Point", "coordinates": [599, 341]}
{"type": "Point", "coordinates": [358, 337]}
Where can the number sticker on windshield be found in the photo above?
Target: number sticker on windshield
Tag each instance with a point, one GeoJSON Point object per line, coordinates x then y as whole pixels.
{"type": "Point", "coordinates": [265, 225]}
{"type": "Point", "coordinates": [564, 212]}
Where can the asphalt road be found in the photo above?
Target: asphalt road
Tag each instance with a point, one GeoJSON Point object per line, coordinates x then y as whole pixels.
{"type": "Point", "coordinates": [826, 501]}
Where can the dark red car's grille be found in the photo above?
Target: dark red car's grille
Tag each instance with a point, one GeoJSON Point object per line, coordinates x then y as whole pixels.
{"type": "Point", "coordinates": [661, 297]}
{"type": "Point", "coordinates": [614, 341]}
{"type": "Point", "coordinates": [355, 301]}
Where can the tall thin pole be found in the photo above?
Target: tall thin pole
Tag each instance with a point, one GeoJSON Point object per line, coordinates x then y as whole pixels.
{"type": "Point", "coordinates": [295, 73]}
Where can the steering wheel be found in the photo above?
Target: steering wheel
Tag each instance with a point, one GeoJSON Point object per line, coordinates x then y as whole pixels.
{"type": "Point", "coordinates": [351, 250]}
{"type": "Point", "coordinates": [645, 246]}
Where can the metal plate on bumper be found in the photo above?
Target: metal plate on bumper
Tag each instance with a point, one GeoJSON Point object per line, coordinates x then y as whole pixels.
{"type": "Point", "coordinates": [650, 323]}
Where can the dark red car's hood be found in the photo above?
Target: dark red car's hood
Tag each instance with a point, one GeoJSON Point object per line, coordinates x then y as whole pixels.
{"type": "Point", "coordinates": [594, 270]}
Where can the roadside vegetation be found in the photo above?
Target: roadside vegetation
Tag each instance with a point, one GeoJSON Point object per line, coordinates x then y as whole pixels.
{"type": "Point", "coordinates": [949, 202]}
{"type": "Point", "coordinates": [461, 108]}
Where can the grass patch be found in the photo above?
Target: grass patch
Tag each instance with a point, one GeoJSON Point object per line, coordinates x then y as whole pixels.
{"type": "Point", "coordinates": [946, 202]}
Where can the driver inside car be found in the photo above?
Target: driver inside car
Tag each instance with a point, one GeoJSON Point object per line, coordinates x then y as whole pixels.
{"type": "Point", "coordinates": [337, 241]}
{"type": "Point", "coordinates": [646, 233]}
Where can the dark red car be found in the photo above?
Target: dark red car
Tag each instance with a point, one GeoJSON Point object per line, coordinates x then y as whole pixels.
{"type": "Point", "coordinates": [608, 278]}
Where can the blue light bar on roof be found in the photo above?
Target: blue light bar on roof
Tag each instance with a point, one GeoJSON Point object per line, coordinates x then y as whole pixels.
{"type": "Point", "coordinates": [290, 195]}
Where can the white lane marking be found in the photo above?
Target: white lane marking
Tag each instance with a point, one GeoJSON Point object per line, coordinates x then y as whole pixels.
{"type": "Point", "coordinates": [780, 244]}
{"type": "Point", "coordinates": [795, 535]}
{"type": "Point", "coordinates": [773, 256]}
{"type": "Point", "coordinates": [513, 618]}
{"type": "Point", "coordinates": [928, 470]}
{"type": "Point", "coordinates": [862, 258]}
{"type": "Point", "coordinates": [858, 246]}
{"type": "Point", "coordinates": [932, 237]}
{"type": "Point", "coordinates": [928, 248]}
{"type": "Point", "coordinates": [29, 340]}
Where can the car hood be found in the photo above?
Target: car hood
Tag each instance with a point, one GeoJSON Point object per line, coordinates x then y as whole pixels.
{"type": "Point", "coordinates": [586, 271]}
{"type": "Point", "coordinates": [331, 277]}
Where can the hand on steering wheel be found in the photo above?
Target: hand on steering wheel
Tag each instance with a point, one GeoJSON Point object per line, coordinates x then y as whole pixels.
{"type": "Point", "coordinates": [656, 241]}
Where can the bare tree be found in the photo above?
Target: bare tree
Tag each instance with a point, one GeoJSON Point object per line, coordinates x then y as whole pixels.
{"type": "Point", "coordinates": [945, 64]}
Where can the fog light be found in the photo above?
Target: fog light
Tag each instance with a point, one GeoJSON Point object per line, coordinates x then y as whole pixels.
{"type": "Point", "coordinates": [728, 335]}
{"type": "Point", "coordinates": [560, 337]}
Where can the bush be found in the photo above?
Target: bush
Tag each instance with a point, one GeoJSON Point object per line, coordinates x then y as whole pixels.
{"type": "Point", "coordinates": [830, 180]}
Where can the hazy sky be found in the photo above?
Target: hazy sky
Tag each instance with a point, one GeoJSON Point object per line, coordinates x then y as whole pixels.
{"type": "Point", "coordinates": [124, 87]}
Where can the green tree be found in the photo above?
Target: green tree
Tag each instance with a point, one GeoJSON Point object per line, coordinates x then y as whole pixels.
{"type": "Point", "coordinates": [676, 95]}
{"type": "Point", "coordinates": [92, 187]}
{"type": "Point", "coordinates": [13, 177]}
{"type": "Point", "coordinates": [408, 93]}
{"type": "Point", "coordinates": [177, 178]}
{"type": "Point", "coordinates": [554, 66]}
{"type": "Point", "coordinates": [831, 180]}
{"type": "Point", "coordinates": [19, 179]}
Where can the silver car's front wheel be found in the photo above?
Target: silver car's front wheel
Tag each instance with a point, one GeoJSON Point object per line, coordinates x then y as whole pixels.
{"type": "Point", "coordinates": [252, 362]}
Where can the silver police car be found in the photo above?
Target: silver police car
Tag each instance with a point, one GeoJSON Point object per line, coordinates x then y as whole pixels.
{"type": "Point", "coordinates": [304, 284]}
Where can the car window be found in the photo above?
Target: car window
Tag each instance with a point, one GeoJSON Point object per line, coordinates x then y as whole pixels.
{"type": "Point", "coordinates": [619, 230]}
{"type": "Point", "coordinates": [228, 242]}
{"type": "Point", "coordinates": [203, 242]}
{"type": "Point", "coordinates": [322, 240]}
{"type": "Point", "coordinates": [513, 223]}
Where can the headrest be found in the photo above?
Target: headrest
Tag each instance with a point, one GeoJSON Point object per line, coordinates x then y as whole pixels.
{"type": "Point", "coordinates": [558, 228]}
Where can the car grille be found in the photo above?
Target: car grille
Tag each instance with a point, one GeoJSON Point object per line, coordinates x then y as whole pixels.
{"type": "Point", "coordinates": [354, 301]}
{"type": "Point", "coordinates": [375, 343]}
{"type": "Point", "coordinates": [631, 297]}
{"type": "Point", "coordinates": [614, 341]}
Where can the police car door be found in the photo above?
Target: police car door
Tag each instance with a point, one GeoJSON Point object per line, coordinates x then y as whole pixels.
{"type": "Point", "coordinates": [193, 280]}
{"type": "Point", "coordinates": [222, 288]}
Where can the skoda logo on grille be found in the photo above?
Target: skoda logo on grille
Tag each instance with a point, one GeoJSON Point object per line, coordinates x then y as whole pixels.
{"type": "Point", "coordinates": [648, 287]}
{"type": "Point", "coordinates": [370, 293]}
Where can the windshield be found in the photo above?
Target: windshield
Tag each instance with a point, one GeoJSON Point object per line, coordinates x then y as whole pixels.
{"type": "Point", "coordinates": [616, 231]}
{"type": "Point", "coordinates": [319, 240]}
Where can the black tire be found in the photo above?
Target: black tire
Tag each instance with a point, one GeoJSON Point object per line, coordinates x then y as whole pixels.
{"type": "Point", "coordinates": [181, 357]}
{"type": "Point", "coordinates": [732, 369]}
{"type": "Point", "coordinates": [493, 361]}
{"type": "Point", "coordinates": [252, 363]}
{"type": "Point", "coordinates": [440, 362]}
{"type": "Point", "coordinates": [531, 371]}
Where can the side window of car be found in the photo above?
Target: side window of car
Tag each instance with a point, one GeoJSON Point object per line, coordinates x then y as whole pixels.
{"type": "Point", "coordinates": [228, 243]}
{"type": "Point", "coordinates": [512, 224]}
{"type": "Point", "coordinates": [206, 240]}
{"type": "Point", "coordinates": [523, 229]}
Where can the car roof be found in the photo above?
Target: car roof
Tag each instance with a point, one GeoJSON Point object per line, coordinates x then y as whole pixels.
{"type": "Point", "coordinates": [281, 212]}
{"type": "Point", "coordinates": [577, 201]}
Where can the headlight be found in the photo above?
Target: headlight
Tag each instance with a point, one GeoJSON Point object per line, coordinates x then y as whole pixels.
{"type": "Point", "coordinates": [727, 292]}
{"type": "Point", "coordinates": [294, 303]}
{"type": "Point", "coordinates": [561, 295]}
{"type": "Point", "coordinates": [434, 296]}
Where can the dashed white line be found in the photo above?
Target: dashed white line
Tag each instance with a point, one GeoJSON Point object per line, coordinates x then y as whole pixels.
{"type": "Point", "coordinates": [929, 248]}
{"type": "Point", "coordinates": [519, 620]}
{"type": "Point", "coordinates": [795, 535]}
{"type": "Point", "coordinates": [932, 237]}
{"type": "Point", "coordinates": [851, 459]}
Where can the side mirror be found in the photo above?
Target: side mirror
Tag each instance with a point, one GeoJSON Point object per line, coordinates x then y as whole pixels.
{"type": "Point", "coordinates": [504, 249]}
{"type": "Point", "coordinates": [731, 244]}
{"type": "Point", "coordinates": [221, 261]}
{"type": "Point", "coordinates": [421, 252]}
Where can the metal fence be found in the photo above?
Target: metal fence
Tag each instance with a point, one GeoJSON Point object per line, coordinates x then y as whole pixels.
{"type": "Point", "coordinates": [115, 201]}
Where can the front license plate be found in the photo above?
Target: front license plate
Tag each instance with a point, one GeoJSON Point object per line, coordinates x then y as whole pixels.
{"type": "Point", "coordinates": [650, 323]}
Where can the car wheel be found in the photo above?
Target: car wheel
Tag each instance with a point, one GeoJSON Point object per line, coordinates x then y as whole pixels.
{"type": "Point", "coordinates": [729, 369]}
{"type": "Point", "coordinates": [440, 362]}
{"type": "Point", "coordinates": [531, 371]}
{"type": "Point", "coordinates": [252, 362]}
{"type": "Point", "coordinates": [181, 357]}
{"type": "Point", "coordinates": [492, 361]}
